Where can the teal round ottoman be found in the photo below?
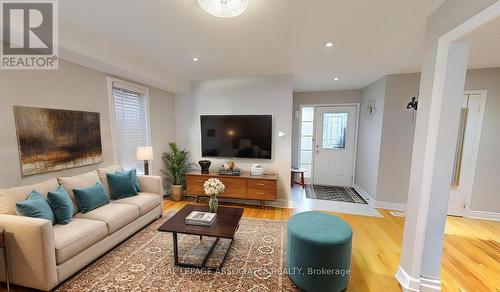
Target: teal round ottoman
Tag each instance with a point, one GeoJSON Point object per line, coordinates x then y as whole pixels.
{"type": "Point", "coordinates": [318, 255]}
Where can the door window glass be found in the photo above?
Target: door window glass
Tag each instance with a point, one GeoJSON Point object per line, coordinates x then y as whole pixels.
{"type": "Point", "coordinates": [334, 130]}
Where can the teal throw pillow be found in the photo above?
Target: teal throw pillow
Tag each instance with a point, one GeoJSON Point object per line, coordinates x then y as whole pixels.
{"type": "Point", "coordinates": [121, 185]}
{"type": "Point", "coordinates": [133, 176]}
{"type": "Point", "coordinates": [35, 206]}
{"type": "Point", "coordinates": [91, 198]}
{"type": "Point", "coordinates": [61, 205]}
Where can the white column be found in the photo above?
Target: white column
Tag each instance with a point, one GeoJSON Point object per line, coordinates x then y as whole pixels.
{"type": "Point", "coordinates": [456, 70]}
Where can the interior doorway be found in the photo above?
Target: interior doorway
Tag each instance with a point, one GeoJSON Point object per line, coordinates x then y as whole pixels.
{"type": "Point", "coordinates": [471, 121]}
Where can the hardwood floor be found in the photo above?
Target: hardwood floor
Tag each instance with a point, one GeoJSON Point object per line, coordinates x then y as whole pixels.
{"type": "Point", "coordinates": [471, 256]}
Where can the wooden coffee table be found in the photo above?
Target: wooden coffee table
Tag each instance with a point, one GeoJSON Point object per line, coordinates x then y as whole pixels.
{"type": "Point", "coordinates": [225, 226]}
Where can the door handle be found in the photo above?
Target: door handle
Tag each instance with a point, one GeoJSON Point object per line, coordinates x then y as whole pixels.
{"type": "Point", "coordinates": [317, 151]}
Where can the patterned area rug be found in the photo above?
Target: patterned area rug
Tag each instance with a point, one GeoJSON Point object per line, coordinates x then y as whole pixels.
{"type": "Point", "coordinates": [144, 262]}
{"type": "Point", "coordinates": [334, 193]}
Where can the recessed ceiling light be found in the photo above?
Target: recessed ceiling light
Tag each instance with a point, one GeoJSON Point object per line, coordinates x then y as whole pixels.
{"type": "Point", "coordinates": [195, 59]}
{"type": "Point", "coordinates": [329, 44]}
{"type": "Point", "coordinates": [336, 79]}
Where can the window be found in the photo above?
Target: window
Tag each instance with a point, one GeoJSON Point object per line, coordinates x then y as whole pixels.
{"type": "Point", "coordinates": [306, 140]}
{"type": "Point", "coordinates": [334, 130]}
{"type": "Point", "coordinates": [130, 113]}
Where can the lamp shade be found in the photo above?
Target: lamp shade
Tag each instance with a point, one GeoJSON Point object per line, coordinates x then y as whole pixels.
{"type": "Point", "coordinates": [144, 153]}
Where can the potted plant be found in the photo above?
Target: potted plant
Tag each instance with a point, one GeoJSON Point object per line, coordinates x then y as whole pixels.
{"type": "Point", "coordinates": [176, 161]}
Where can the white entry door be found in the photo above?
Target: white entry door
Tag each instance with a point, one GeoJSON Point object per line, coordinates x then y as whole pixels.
{"type": "Point", "coordinates": [466, 153]}
{"type": "Point", "coordinates": [334, 142]}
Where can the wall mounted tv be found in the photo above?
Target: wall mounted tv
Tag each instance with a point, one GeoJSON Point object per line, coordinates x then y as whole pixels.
{"type": "Point", "coordinates": [242, 136]}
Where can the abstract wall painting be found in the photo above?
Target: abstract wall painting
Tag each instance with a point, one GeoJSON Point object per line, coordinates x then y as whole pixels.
{"type": "Point", "coordinates": [54, 139]}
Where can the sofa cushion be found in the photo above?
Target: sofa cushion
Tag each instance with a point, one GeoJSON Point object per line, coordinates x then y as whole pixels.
{"type": "Point", "coordinates": [121, 185]}
{"type": "Point", "coordinates": [61, 204]}
{"type": "Point", "coordinates": [133, 176]}
{"type": "Point", "coordinates": [114, 215]}
{"type": "Point", "coordinates": [101, 172]}
{"type": "Point", "coordinates": [91, 198]}
{"type": "Point", "coordinates": [35, 206]}
{"type": "Point", "coordinates": [78, 235]}
{"type": "Point", "coordinates": [9, 197]}
{"type": "Point", "coordinates": [81, 181]}
{"type": "Point", "coordinates": [144, 201]}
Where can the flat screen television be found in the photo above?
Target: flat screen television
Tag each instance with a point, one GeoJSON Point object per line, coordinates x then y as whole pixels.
{"type": "Point", "coordinates": [242, 136]}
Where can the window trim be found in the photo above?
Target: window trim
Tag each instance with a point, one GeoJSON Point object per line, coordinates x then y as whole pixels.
{"type": "Point", "coordinates": [144, 91]}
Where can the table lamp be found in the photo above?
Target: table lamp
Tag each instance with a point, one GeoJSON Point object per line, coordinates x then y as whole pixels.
{"type": "Point", "coordinates": [145, 153]}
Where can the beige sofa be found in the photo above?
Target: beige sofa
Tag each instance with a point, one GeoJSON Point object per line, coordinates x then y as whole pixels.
{"type": "Point", "coordinates": [42, 255]}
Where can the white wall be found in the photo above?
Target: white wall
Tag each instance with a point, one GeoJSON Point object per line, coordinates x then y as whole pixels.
{"type": "Point", "coordinates": [317, 98]}
{"type": "Point", "coordinates": [162, 123]}
{"type": "Point", "coordinates": [486, 190]}
{"type": "Point", "coordinates": [259, 95]}
{"type": "Point", "coordinates": [397, 138]}
{"type": "Point", "coordinates": [369, 140]}
{"type": "Point", "coordinates": [72, 87]}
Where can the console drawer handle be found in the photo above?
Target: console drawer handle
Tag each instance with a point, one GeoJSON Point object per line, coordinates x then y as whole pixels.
{"type": "Point", "coordinates": [261, 184]}
{"type": "Point", "coordinates": [200, 180]}
{"type": "Point", "coordinates": [260, 193]}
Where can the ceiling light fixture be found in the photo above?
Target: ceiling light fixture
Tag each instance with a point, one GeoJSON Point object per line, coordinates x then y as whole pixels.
{"type": "Point", "coordinates": [329, 45]}
{"type": "Point", "coordinates": [336, 79]}
{"type": "Point", "coordinates": [224, 8]}
{"type": "Point", "coordinates": [195, 59]}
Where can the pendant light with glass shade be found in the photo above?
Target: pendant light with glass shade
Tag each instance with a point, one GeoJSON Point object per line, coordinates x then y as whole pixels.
{"type": "Point", "coordinates": [224, 8]}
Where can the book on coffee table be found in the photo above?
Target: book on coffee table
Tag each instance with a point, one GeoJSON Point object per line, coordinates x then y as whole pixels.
{"type": "Point", "coordinates": [201, 218]}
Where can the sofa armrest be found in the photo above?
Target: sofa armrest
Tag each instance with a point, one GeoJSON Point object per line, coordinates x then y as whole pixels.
{"type": "Point", "coordinates": [30, 252]}
{"type": "Point", "coordinates": [151, 183]}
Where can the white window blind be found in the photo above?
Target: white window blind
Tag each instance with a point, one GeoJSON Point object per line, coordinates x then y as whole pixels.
{"type": "Point", "coordinates": [131, 125]}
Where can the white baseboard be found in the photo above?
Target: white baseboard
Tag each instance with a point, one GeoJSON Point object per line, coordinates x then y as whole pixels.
{"type": "Point", "coordinates": [390, 205]}
{"type": "Point", "coordinates": [482, 215]}
{"type": "Point", "coordinates": [430, 285]}
{"type": "Point", "coordinates": [408, 283]}
{"type": "Point", "coordinates": [378, 204]}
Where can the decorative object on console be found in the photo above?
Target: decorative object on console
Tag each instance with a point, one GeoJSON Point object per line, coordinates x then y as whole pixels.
{"type": "Point", "coordinates": [228, 171]}
{"type": "Point", "coordinates": [256, 170]}
{"type": "Point", "coordinates": [205, 165]}
{"type": "Point", "coordinates": [212, 188]}
{"type": "Point", "coordinates": [176, 161]}
{"type": "Point", "coordinates": [145, 153]}
{"type": "Point", "coordinates": [54, 139]}
{"type": "Point", "coordinates": [229, 168]}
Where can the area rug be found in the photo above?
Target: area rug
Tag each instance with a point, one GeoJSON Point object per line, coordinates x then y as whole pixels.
{"type": "Point", "coordinates": [334, 193]}
{"type": "Point", "coordinates": [144, 262]}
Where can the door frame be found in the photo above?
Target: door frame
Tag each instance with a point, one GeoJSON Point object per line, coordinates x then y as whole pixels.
{"type": "Point", "coordinates": [475, 148]}
{"type": "Point", "coordinates": [356, 130]}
